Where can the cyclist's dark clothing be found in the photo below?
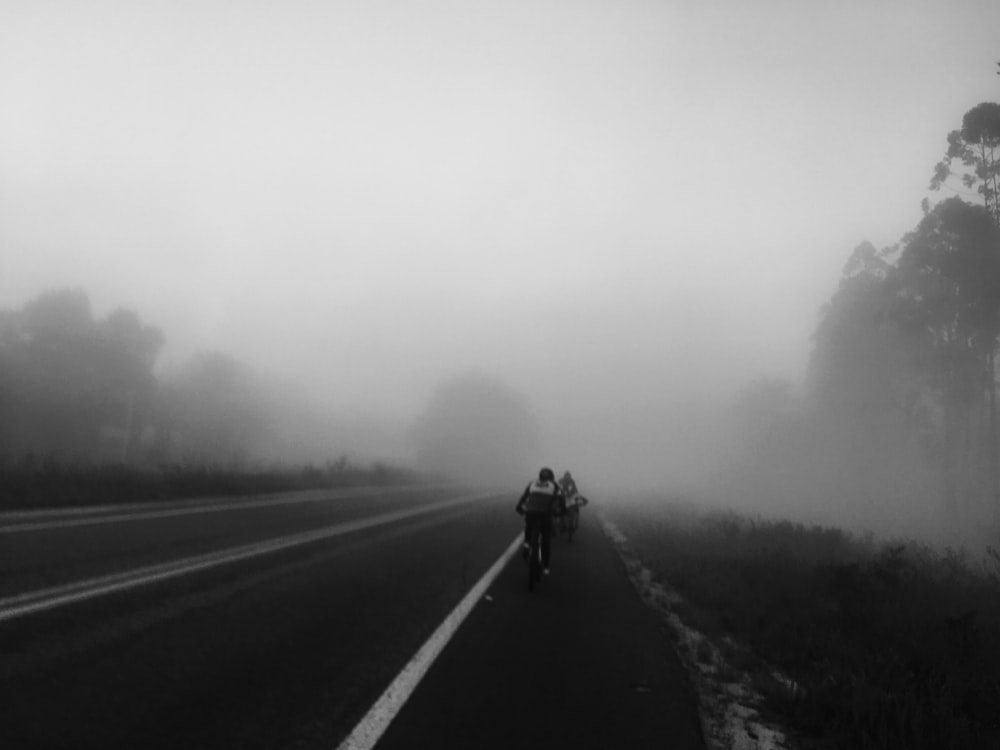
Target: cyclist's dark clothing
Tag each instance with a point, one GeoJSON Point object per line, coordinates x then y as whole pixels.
{"type": "Point", "coordinates": [543, 522]}
{"type": "Point", "coordinates": [539, 501]}
{"type": "Point", "coordinates": [541, 497]}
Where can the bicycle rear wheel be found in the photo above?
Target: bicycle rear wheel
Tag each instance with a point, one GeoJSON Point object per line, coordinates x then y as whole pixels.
{"type": "Point", "coordinates": [534, 560]}
{"type": "Point", "coordinates": [572, 522]}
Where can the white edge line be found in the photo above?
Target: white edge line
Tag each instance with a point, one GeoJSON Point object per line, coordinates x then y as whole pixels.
{"type": "Point", "coordinates": [380, 715]}
{"type": "Point", "coordinates": [146, 515]}
{"type": "Point", "coordinates": [50, 598]}
{"type": "Point", "coordinates": [15, 522]}
{"type": "Point", "coordinates": [157, 505]}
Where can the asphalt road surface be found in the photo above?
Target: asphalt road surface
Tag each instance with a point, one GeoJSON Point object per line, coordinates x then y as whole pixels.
{"type": "Point", "coordinates": [278, 623]}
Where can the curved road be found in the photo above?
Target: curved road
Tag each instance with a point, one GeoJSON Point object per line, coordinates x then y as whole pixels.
{"type": "Point", "coordinates": [278, 623]}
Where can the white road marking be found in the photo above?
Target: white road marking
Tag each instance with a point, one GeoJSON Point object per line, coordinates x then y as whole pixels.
{"type": "Point", "coordinates": [377, 720]}
{"type": "Point", "coordinates": [67, 517]}
{"type": "Point", "coordinates": [57, 596]}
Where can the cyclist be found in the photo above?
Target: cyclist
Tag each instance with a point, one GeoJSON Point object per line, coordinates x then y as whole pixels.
{"type": "Point", "coordinates": [574, 500]}
{"type": "Point", "coordinates": [568, 484]}
{"type": "Point", "coordinates": [541, 499]}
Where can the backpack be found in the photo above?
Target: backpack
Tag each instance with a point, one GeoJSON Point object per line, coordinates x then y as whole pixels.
{"type": "Point", "coordinates": [541, 497]}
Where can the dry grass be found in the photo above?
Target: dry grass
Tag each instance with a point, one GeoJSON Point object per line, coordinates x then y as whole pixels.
{"type": "Point", "coordinates": [886, 646]}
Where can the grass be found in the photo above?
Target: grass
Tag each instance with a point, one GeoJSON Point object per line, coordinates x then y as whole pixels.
{"type": "Point", "coordinates": [886, 645]}
{"type": "Point", "coordinates": [49, 484]}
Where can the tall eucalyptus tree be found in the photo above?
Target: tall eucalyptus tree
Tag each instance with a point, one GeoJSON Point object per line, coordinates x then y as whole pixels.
{"type": "Point", "coordinates": [975, 151]}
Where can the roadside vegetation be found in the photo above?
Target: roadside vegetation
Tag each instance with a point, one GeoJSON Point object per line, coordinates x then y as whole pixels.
{"type": "Point", "coordinates": [87, 419]}
{"type": "Point", "coordinates": [48, 484]}
{"type": "Point", "coordinates": [896, 424]}
{"type": "Point", "coordinates": [853, 643]}
{"type": "Point", "coordinates": [86, 415]}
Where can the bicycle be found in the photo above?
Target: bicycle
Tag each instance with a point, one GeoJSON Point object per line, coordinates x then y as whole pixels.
{"type": "Point", "coordinates": [533, 540]}
{"type": "Point", "coordinates": [534, 556]}
{"type": "Point", "coordinates": [573, 515]}
{"type": "Point", "coordinates": [572, 521]}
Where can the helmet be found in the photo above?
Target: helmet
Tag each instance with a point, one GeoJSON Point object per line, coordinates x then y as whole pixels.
{"type": "Point", "coordinates": [546, 475]}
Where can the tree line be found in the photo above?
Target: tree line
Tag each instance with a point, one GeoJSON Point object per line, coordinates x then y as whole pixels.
{"type": "Point", "coordinates": [901, 392]}
{"type": "Point", "coordinates": [77, 389]}
{"type": "Point", "coordinates": [82, 391]}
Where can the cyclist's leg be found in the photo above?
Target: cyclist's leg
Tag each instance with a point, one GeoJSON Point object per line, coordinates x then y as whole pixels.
{"type": "Point", "coordinates": [533, 529]}
{"type": "Point", "coordinates": [530, 527]}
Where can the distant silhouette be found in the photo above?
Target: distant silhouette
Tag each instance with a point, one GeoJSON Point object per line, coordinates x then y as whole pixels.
{"type": "Point", "coordinates": [478, 430]}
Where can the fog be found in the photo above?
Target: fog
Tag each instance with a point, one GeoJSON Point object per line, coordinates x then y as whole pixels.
{"type": "Point", "coordinates": [620, 221]}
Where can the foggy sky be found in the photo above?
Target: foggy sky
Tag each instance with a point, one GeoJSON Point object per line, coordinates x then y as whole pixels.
{"type": "Point", "coordinates": [617, 207]}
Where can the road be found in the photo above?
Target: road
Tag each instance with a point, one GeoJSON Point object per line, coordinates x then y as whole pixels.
{"type": "Point", "coordinates": [279, 623]}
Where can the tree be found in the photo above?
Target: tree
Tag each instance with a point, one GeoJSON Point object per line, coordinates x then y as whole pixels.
{"type": "Point", "coordinates": [123, 330]}
{"type": "Point", "coordinates": [215, 410]}
{"type": "Point", "coordinates": [477, 429]}
{"type": "Point", "coordinates": [855, 360]}
{"type": "Point", "coordinates": [899, 367]}
{"type": "Point", "coordinates": [57, 314]}
{"type": "Point", "coordinates": [946, 298]}
{"type": "Point", "coordinates": [70, 383]}
{"type": "Point", "coordinates": [869, 418]}
{"type": "Point", "coordinates": [977, 147]}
